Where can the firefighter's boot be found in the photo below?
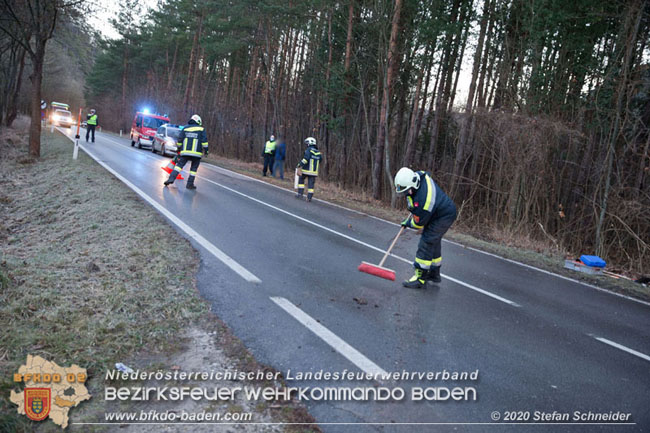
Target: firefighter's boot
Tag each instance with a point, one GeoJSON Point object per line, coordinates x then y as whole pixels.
{"type": "Point", "coordinates": [433, 275]}
{"type": "Point", "coordinates": [172, 177]}
{"type": "Point", "coordinates": [417, 281]}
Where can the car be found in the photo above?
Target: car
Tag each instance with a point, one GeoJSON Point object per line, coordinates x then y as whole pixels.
{"type": "Point", "coordinates": [144, 126]}
{"type": "Point", "coordinates": [62, 118]}
{"type": "Point", "coordinates": [165, 139]}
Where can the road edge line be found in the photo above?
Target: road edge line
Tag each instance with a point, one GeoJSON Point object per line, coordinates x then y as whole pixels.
{"type": "Point", "coordinates": [621, 347]}
{"type": "Point", "coordinates": [216, 252]}
{"type": "Point", "coordinates": [515, 262]}
{"type": "Point", "coordinates": [360, 242]}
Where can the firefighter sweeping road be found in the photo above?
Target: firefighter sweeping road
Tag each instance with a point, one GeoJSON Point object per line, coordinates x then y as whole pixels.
{"type": "Point", "coordinates": [282, 274]}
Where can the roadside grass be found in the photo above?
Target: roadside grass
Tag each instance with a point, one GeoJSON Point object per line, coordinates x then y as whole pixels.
{"type": "Point", "coordinates": [542, 254]}
{"type": "Point", "coordinates": [89, 274]}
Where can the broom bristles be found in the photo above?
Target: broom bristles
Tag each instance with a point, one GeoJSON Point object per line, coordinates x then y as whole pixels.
{"type": "Point", "coordinates": [377, 271]}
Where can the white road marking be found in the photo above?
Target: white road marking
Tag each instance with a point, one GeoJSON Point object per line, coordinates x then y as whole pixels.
{"type": "Point", "coordinates": [573, 280]}
{"type": "Point", "coordinates": [365, 244]}
{"type": "Point", "coordinates": [623, 348]}
{"type": "Point", "coordinates": [485, 292]}
{"type": "Point", "coordinates": [352, 354]}
{"type": "Point", "coordinates": [515, 262]}
{"type": "Point", "coordinates": [227, 260]}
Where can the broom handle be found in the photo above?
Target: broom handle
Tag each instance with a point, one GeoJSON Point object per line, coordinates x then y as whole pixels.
{"type": "Point", "coordinates": [391, 246]}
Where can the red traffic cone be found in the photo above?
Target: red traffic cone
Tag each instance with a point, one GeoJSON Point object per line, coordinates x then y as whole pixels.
{"type": "Point", "coordinates": [170, 167]}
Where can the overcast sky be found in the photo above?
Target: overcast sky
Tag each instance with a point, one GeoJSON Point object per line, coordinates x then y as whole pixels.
{"type": "Point", "coordinates": [107, 9]}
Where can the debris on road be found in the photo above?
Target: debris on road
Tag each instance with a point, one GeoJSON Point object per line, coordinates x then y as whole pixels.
{"type": "Point", "coordinates": [360, 301]}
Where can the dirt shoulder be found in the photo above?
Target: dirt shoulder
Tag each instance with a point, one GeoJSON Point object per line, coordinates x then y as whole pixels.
{"type": "Point", "coordinates": [90, 275]}
{"type": "Point", "coordinates": [543, 255]}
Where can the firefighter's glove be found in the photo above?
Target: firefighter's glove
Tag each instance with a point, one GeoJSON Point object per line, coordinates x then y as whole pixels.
{"type": "Point", "coordinates": [205, 151]}
{"type": "Point", "coordinates": [406, 223]}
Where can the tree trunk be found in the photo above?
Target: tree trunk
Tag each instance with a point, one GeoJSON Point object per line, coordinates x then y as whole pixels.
{"type": "Point", "coordinates": [465, 128]}
{"type": "Point", "coordinates": [12, 108]}
{"type": "Point", "coordinates": [191, 66]}
{"type": "Point", "coordinates": [382, 135]}
{"type": "Point", "coordinates": [628, 41]}
{"type": "Point", "coordinates": [411, 134]}
{"type": "Point", "coordinates": [125, 66]}
{"type": "Point", "coordinates": [36, 78]}
{"type": "Point", "coordinates": [346, 139]}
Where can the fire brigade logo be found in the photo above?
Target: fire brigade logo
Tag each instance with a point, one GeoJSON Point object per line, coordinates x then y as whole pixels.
{"type": "Point", "coordinates": [37, 403]}
{"type": "Point", "coordinates": [50, 391]}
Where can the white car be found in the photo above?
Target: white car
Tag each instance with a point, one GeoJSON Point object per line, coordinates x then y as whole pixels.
{"type": "Point", "coordinates": [62, 118]}
{"type": "Point", "coordinates": [165, 139]}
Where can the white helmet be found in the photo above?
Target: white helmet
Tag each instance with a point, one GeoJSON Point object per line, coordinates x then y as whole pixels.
{"type": "Point", "coordinates": [92, 111]}
{"type": "Point", "coordinates": [196, 118]}
{"type": "Point", "coordinates": [310, 141]}
{"type": "Point", "coordinates": [405, 179]}
{"type": "Point", "coordinates": [272, 138]}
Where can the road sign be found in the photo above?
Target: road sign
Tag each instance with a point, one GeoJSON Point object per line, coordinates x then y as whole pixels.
{"type": "Point", "coordinates": [43, 105]}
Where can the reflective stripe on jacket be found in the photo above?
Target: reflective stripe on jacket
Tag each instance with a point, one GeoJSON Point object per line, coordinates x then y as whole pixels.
{"type": "Point", "coordinates": [191, 137]}
{"type": "Point", "coordinates": [427, 200]}
{"type": "Point", "coordinates": [310, 163]}
{"type": "Point", "coordinates": [92, 119]}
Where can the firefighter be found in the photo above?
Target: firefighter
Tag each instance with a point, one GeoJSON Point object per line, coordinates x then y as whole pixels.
{"type": "Point", "coordinates": [432, 213]}
{"type": "Point", "coordinates": [192, 143]}
{"type": "Point", "coordinates": [91, 124]}
{"type": "Point", "coordinates": [268, 154]}
{"type": "Point", "coordinates": [308, 168]}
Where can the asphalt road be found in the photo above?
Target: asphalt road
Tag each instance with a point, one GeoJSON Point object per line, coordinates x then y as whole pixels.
{"type": "Point", "coordinates": [287, 287]}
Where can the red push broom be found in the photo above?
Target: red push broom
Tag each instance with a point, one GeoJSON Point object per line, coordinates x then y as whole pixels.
{"type": "Point", "coordinates": [378, 270]}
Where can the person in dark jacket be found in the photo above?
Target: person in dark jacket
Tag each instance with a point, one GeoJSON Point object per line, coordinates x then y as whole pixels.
{"type": "Point", "coordinates": [280, 154]}
{"type": "Point", "coordinates": [91, 124]}
{"type": "Point", "coordinates": [432, 213]}
{"type": "Point", "coordinates": [308, 168]}
{"type": "Point", "coordinates": [268, 153]}
{"type": "Point", "coordinates": [192, 144]}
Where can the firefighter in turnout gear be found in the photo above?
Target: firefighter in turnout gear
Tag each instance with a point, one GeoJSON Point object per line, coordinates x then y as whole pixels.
{"type": "Point", "coordinates": [308, 168]}
{"type": "Point", "coordinates": [192, 143]}
{"type": "Point", "coordinates": [91, 124]}
{"type": "Point", "coordinates": [432, 213]}
{"type": "Point", "coordinates": [269, 155]}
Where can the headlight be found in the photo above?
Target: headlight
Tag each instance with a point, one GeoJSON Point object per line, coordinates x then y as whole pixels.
{"type": "Point", "coordinates": [56, 117]}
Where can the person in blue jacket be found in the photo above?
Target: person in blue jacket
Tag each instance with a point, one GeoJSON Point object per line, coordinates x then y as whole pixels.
{"type": "Point", "coordinates": [432, 213]}
{"type": "Point", "coordinates": [280, 155]}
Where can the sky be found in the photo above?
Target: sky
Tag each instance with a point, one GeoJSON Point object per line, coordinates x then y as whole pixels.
{"type": "Point", "coordinates": [107, 9]}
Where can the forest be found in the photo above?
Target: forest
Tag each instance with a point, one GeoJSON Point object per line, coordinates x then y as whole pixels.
{"type": "Point", "coordinates": [532, 114]}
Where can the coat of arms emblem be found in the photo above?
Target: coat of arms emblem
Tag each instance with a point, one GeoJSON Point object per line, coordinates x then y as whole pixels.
{"type": "Point", "coordinates": [37, 403]}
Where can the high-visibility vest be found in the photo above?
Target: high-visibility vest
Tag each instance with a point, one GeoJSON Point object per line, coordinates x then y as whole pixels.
{"type": "Point", "coordinates": [269, 147]}
{"type": "Point", "coordinates": [92, 120]}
